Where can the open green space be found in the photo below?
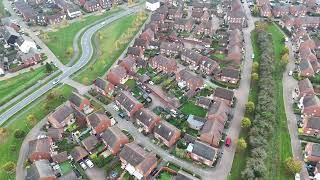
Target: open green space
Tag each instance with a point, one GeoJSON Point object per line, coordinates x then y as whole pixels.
{"type": "Point", "coordinates": [60, 41]}
{"type": "Point", "coordinates": [14, 86]}
{"type": "Point", "coordinates": [9, 144]}
{"type": "Point", "coordinates": [112, 41]}
{"type": "Point", "coordinates": [219, 56]}
{"type": "Point", "coordinates": [279, 147]}
{"type": "Point", "coordinates": [190, 108]}
{"type": "Point", "coordinates": [65, 167]}
{"type": "Point", "coordinates": [165, 176]}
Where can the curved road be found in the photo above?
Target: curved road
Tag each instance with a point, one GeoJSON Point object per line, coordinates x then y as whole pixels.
{"type": "Point", "coordinates": [87, 51]}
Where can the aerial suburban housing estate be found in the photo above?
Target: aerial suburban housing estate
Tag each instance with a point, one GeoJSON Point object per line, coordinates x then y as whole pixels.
{"type": "Point", "coordinates": [172, 89]}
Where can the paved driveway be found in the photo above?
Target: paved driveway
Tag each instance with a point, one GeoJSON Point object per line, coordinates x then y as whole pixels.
{"type": "Point", "coordinates": [95, 173]}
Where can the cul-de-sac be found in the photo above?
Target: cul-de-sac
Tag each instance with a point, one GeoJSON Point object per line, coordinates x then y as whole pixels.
{"type": "Point", "coordinates": [160, 89]}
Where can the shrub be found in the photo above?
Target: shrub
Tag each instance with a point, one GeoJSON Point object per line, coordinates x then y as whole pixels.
{"type": "Point", "coordinates": [18, 133]}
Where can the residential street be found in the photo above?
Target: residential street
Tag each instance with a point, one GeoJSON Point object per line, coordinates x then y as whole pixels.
{"type": "Point", "coordinates": [87, 51]}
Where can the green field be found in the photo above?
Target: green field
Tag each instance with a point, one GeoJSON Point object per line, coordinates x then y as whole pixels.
{"type": "Point", "coordinates": [9, 145]}
{"type": "Point", "coordinates": [190, 108]}
{"type": "Point", "coordinates": [108, 52]}
{"type": "Point", "coordinates": [60, 41]}
{"type": "Point", "coordinates": [14, 86]}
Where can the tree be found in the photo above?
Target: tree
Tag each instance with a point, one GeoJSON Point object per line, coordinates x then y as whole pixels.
{"type": "Point", "coordinates": [69, 51]}
{"type": "Point", "coordinates": [255, 10]}
{"type": "Point", "coordinates": [9, 167]}
{"type": "Point", "coordinates": [3, 132]}
{"type": "Point", "coordinates": [254, 77]}
{"type": "Point", "coordinates": [246, 122]}
{"type": "Point", "coordinates": [255, 67]}
{"type": "Point", "coordinates": [285, 50]}
{"type": "Point", "coordinates": [250, 107]}
{"type": "Point", "coordinates": [241, 145]}
{"type": "Point", "coordinates": [31, 120]}
{"type": "Point", "coordinates": [49, 68]}
{"type": "Point", "coordinates": [285, 58]}
{"type": "Point", "coordinates": [293, 166]}
{"type": "Point", "coordinates": [19, 133]}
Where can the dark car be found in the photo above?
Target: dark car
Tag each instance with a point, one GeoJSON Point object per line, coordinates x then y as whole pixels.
{"type": "Point", "coordinates": [121, 114]}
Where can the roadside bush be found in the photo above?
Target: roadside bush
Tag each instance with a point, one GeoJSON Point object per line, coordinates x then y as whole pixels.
{"type": "Point", "coordinates": [9, 167]}
{"type": "Point", "coordinates": [18, 133]}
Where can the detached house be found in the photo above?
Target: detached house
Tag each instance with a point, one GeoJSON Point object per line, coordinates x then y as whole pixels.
{"type": "Point", "coordinates": [230, 75]}
{"type": "Point", "coordinates": [311, 126]}
{"type": "Point", "coordinates": [224, 95]}
{"type": "Point", "coordinates": [211, 133]}
{"type": "Point", "coordinates": [203, 102]}
{"type": "Point", "coordinates": [167, 133]}
{"type": "Point", "coordinates": [79, 102]}
{"type": "Point", "coordinates": [40, 149]}
{"type": "Point", "coordinates": [98, 122]}
{"type": "Point", "coordinates": [117, 75]}
{"type": "Point", "coordinates": [162, 63]}
{"type": "Point", "coordinates": [62, 117]}
{"type": "Point", "coordinates": [310, 106]}
{"type": "Point", "coordinates": [146, 119]}
{"type": "Point", "coordinates": [114, 139]}
{"type": "Point", "coordinates": [203, 153]}
{"type": "Point", "coordinates": [103, 87]}
{"type": "Point", "coordinates": [137, 161]}
{"type": "Point", "coordinates": [186, 78]}
{"type": "Point", "coordinates": [128, 103]}
{"type": "Point", "coordinates": [312, 152]}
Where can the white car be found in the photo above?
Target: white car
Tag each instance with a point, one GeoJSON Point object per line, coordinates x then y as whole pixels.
{"type": "Point", "coordinates": [151, 82]}
{"type": "Point", "coordinates": [89, 163]}
{"type": "Point", "coordinates": [252, 56]}
{"type": "Point", "coordinates": [290, 73]}
{"type": "Point", "coordinates": [55, 82]}
{"type": "Point", "coordinates": [115, 107]}
{"type": "Point", "coordinates": [83, 165]}
{"type": "Point", "coordinates": [297, 176]}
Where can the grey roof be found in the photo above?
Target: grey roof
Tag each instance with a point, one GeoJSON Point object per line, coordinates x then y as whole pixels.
{"type": "Point", "coordinates": [40, 169]}
{"type": "Point", "coordinates": [170, 46]}
{"type": "Point", "coordinates": [315, 150]}
{"type": "Point", "coordinates": [62, 113]}
{"type": "Point", "coordinates": [134, 51]}
{"type": "Point", "coordinates": [127, 100]}
{"type": "Point", "coordinates": [191, 54]}
{"type": "Point", "coordinates": [223, 93]}
{"type": "Point", "coordinates": [203, 150]}
{"type": "Point", "coordinates": [203, 101]}
{"type": "Point", "coordinates": [76, 99]}
{"type": "Point", "coordinates": [305, 64]}
{"type": "Point", "coordinates": [305, 84]}
{"type": "Point", "coordinates": [311, 101]}
{"type": "Point", "coordinates": [313, 122]}
{"type": "Point", "coordinates": [164, 61]}
{"type": "Point", "coordinates": [101, 83]}
{"type": "Point", "coordinates": [112, 135]}
{"type": "Point", "coordinates": [96, 118]}
{"type": "Point", "coordinates": [197, 121]}
{"type": "Point", "coordinates": [145, 116]}
{"type": "Point", "coordinates": [90, 142]}
{"type": "Point", "coordinates": [78, 153]}
{"type": "Point", "coordinates": [165, 130]}
{"type": "Point", "coordinates": [229, 72]}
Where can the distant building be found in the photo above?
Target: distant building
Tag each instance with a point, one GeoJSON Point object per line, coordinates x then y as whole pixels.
{"type": "Point", "coordinates": [152, 5]}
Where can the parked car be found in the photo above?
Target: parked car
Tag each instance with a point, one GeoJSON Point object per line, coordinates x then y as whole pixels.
{"type": "Point", "coordinates": [121, 115]}
{"type": "Point", "coordinates": [115, 107]}
{"type": "Point", "coordinates": [89, 163]}
{"type": "Point", "coordinates": [297, 176]}
{"type": "Point", "coordinates": [290, 73]}
{"type": "Point", "coordinates": [252, 56]}
{"type": "Point", "coordinates": [55, 82]}
{"type": "Point", "coordinates": [83, 165]}
{"type": "Point", "coordinates": [228, 142]}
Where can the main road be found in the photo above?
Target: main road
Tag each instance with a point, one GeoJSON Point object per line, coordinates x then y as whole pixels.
{"type": "Point", "coordinates": [87, 51]}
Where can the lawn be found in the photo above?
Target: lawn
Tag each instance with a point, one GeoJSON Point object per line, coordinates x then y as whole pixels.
{"type": "Point", "coordinates": [219, 56]}
{"type": "Point", "coordinates": [60, 41]}
{"type": "Point", "coordinates": [14, 86]}
{"type": "Point", "coordinates": [9, 145]}
{"type": "Point", "coordinates": [165, 176]}
{"type": "Point", "coordinates": [110, 47]}
{"type": "Point", "coordinates": [190, 108]}
{"type": "Point", "coordinates": [131, 83]}
{"type": "Point", "coordinates": [65, 167]}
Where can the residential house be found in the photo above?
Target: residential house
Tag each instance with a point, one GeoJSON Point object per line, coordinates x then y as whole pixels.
{"type": "Point", "coordinates": [129, 64]}
{"type": "Point", "coordinates": [211, 133]}
{"type": "Point", "coordinates": [25, 43]}
{"type": "Point", "coordinates": [280, 11]}
{"type": "Point", "coordinates": [157, 18]}
{"type": "Point", "coordinates": [183, 24]}
{"type": "Point", "coordinates": [305, 69]}
{"type": "Point", "coordinates": [8, 21]}
{"type": "Point", "coordinates": [103, 87]}
{"type": "Point", "coordinates": [146, 119]}
{"type": "Point", "coordinates": [162, 63]}
{"type": "Point", "coordinates": [78, 153]}
{"type": "Point", "coordinates": [90, 143]}
{"type": "Point", "coordinates": [114, 139]}
{"type": "Point", "coordinates": [117, 75]}
{"type": "Point", "coordinates": [236, 16]}
{"type": "Point", "coordinates": [135, 52]}
{"type": "Point", "coordinates": [40, 170]}
{"type": "Point", "coordinates": [41, 148]}
{"type": "Point", "coordinates": [235, 54]}
{"type": "Point", "coordinates": [91, 6]}
{"type": "Point", "coordinates": [197, 14]}
{"type": "Point", "coordinates": [310, 106]}
{"type": "Point", "coordinates": [219, 111]}
{"type": "Point", "coordinates": [265, 11]}
{"type": "Point", "coordinates": [224, 95]}
{"type": "Point", "coordinates": [230, 75]}
{"type": "Point", "coordinates": [137, 161]}
{"type": "Point", "coordinates": [152, 5]}
{"type": "Point", "coordinates": [205, 28]}
{"type": "Point", "coordinates": [147, 35]}
{"type": "Point", "coordinates": [311, 126]}
{"type": "Point", "coordinates": [195, 122]}
{"type": "Point", "coordinates": [80, 102]}
{"type": "Point", "coordinates": [203, 153]}
{"type": "Point", "coordinates": [167, 133]}
{"type": "Point", "coordinates": [305, 88]}
{"type": "Point", "coordinates": [208, 66]}
{"type": "Point", "coordinates": [312, 152]}
{"type": "Point", "coordinates": [60, 157]}
{"type": "Point", "coordinates": [128, 103]}
{"type": "Point", "coordinates": [141, 43]}
{"type": "Point", "coordinates": [298, 10]}
{"type": "Point", "coordinates": [98, 122]}
{"type": "Point", "coordinates": [30, 58]}
{"type": "Point", "coordinates": [186, 78]}
{"type": "Point", "coordinates": [170, 49]}
{"type": "Point", "coordinates": [9, 35]}
{"type": "Point", "coordinates": [55, 133]}
{"type": "Point", "coordinates": [62, 117]}
{"type": "Point", "coordinates": [191, 57]}
{"type": "Point", "coordinates": [203, 102]}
